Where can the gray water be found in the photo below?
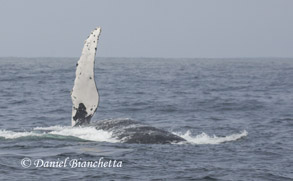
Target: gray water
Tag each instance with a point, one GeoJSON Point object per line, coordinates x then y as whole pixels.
{"type": "Point", "coordinates": [236, 115]}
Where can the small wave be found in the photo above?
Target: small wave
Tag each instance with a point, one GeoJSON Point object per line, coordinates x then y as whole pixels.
{"type": "Point", "coordinates": [204, 138]}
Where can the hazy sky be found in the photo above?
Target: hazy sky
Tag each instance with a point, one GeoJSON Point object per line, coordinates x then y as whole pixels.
{"type": "Point", "coordinates": [148, 28]}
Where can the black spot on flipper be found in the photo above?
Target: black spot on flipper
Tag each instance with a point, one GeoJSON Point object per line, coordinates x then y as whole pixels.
{"type": "Point", "coordinates": [80, 112]}
{"type": "Point", "coordinates": [90, 77]}
{"type": "Point", "coordinates": [80, 116]}
{"type": "Point", "coordinates": [76, 64]}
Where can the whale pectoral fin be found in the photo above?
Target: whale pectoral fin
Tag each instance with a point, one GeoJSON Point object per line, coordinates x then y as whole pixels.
{"type": "Point", "coordinates": [84, 95]}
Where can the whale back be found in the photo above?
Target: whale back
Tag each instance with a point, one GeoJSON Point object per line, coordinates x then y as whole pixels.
{"type": "Point", "coordinates": [131, 131]}
{"type": "Point", "coordinates": [84, 95]}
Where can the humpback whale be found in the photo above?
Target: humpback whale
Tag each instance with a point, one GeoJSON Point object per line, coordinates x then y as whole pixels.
{"type": "Point", "coordinates": [85, 100]}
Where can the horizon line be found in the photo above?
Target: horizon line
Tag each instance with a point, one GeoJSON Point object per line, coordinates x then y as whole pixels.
{"type": "Point", "coordinates": [114, 57]}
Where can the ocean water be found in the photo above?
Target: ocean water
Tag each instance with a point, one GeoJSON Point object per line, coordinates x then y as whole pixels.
{"type": "Point", "coordinates": [236, 115]}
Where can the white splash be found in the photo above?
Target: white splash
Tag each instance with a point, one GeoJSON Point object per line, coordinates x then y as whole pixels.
{"type": "Point", "coordinates": [85, 133]}
{"type": "Point", "coordinates": [204, 138]}
{"type": "Point", "coordinates": [92, 134]}
{"type": "Point", "coordinates": [13, 135]}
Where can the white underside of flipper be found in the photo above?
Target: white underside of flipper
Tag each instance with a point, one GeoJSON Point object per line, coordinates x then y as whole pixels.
{"type": "Point", "coordinates": [84, 95]}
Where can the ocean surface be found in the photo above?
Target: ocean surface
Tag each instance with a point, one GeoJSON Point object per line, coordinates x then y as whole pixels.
{"type": "Point", "coordinates": [236, 115]}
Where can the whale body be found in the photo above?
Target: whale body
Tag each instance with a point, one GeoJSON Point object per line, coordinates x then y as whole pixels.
{"type": "Point", "coordinates": [131, 131]}
{"type": "Point", "coordinates": [85, 100]}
